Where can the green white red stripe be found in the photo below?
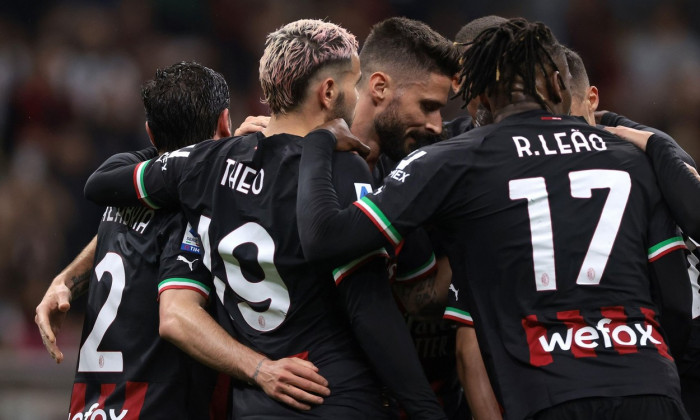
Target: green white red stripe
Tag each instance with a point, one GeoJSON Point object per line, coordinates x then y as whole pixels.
{"type": "Point", "coordinates": [458, 315]}
{"type": "Point", "coordinates": [659, 250]}
{"type": "Point", "coordinates": [341, 272]}
{"type": "Point", "coordinates": [139, 185]}
{"type": "Point", "coordinates": [420, 272]}
{"type": "Point", "coordinates": [380, 220]}
{"type": "Point", "coordinates": [183, 283]}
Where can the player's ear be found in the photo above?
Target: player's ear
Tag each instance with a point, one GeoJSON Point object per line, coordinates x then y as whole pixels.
{"type": "Point", "coordinates": [150, 135]}
{"type": "Point", "coordinates": [557, 87]}
{"type": "Point", "coordinates": [455, 83]}
{"type": "Point", "coordinates": [593, 98]}
{"type": "Point", "coordinates": [378, 86]}
{"type": "Point", "coordinates": [327, 92]}
{"type": "Point", "coordinates": [223, 125]}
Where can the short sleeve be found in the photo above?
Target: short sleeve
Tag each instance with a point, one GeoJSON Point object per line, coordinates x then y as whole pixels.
{"type": "Point", "coordinates": [417, 191]}
{"type": "Point", "coordinates": [416, 259]}
{"type": "Point", "coordinates": [181, 265]}
{"type": "Point", "coordinates": [352, 181]}
{"type": "Point", "coordinates": [457, 308]}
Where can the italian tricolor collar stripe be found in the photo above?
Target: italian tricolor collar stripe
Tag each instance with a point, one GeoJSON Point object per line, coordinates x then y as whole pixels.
{"type": "Point", "coordinates": [140, 187]}
{"type": "Point", "coordinates": [380, 220]}
{"type": "Point", "coordinates": [659, 250]}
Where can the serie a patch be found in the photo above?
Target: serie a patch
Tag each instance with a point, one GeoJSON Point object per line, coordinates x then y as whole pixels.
{"type": "Point", "coordinates": [362, 189]}
{"type": "Point", "coordinates": [191, 242]}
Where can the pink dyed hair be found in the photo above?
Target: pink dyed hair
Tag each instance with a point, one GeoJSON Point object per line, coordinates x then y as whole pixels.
{"type": "Point", "coordinates": [294, 53]}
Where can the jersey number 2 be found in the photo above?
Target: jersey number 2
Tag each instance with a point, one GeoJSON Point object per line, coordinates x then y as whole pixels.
{"type": "Point", "coordinates": [534, 190]}
{"type": "Point", "coordinates": [92, 360]}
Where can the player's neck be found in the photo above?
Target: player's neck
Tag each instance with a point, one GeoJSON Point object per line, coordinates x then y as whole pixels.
{"type": "Point", "coordinates": [295, 123]}
{"type": "Point", "coordinates": [363, 128]}
{"type": "Point", "coordinates": [512, 109]}
{"type": "Point", "coordinates": [514, 100]}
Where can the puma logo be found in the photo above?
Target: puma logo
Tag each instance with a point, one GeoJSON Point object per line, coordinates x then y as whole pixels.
{"type": "Point", "coordinates": [189, 263]}
{"type": "Point", "coordinates": [452, 287]}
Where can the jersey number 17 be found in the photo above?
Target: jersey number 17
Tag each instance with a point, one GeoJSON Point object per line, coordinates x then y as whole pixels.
{"type": "Point", "coordinates": [534, 190]}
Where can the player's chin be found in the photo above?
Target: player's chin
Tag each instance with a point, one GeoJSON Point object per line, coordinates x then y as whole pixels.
{"type": "Point", "coordinates": [409, 144]}
{"type": "Point", "coordinates": [418, 140]}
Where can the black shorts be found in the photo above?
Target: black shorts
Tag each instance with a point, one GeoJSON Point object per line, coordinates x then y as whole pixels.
{"type": "Point", "coordinates": [635, 407]}
{"type": "Point", "coordinates": [689, 371]}
{"type": "Point", "coordinates": [251, 403]}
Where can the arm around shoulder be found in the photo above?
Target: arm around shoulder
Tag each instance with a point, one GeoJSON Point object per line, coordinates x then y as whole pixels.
{"type": "Point", "coordinates": [112, 184]}
{"type": "Point", "coordinates": [72, 282]}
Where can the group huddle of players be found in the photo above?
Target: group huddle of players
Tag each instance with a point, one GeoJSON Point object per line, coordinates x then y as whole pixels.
{"type": "Point", "coordinates": [520, 262]}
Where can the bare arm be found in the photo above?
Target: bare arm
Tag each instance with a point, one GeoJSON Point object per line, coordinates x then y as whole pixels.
{"type": "Point", "coordinates": [428, 296]}
{"type": "Point", "coordinates": [71, 283]}
{"type": "Point", "coordinates": [185, 322]}
{"type": "Point", "coordinates": [472, 374]}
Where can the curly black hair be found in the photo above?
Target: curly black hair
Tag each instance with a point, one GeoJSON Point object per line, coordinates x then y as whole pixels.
{"type": "Point", "coordinates": [183, 103]}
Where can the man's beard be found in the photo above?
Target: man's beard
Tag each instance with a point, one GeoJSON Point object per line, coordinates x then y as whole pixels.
{"type": "Point", "coordinates": [342, 110]}
{"type": "Point", "coordinates": [391, 132]}
{"type": "Point", "coordinates": [422, 139]}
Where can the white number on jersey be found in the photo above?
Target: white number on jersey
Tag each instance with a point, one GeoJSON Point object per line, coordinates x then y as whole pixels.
{"type": "Point", "coordinates": [270, 292]}
{"type": "Point", "coordinates": [92, 360]}
{"type": "Point", "coordinates": [582, 184]}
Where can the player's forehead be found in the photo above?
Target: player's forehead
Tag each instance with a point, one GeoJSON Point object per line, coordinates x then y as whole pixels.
{"type": "Point", "coordinates": [434, 87]}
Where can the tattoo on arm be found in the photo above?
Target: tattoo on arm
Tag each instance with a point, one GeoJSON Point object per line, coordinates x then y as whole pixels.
{"type": "Point", "coordinates": [79, 284]}
{"type": "Point", "coordinates": [420, 297]}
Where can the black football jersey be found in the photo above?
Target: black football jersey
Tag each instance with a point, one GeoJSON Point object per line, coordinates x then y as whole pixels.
{"type": "Point", "coordinates": [434, 338]}
{"type": "Point", "coordinates": [416, 259]}
{"type": "Point", "coordinates": [240, 195]}
{"type": "Point", "coordinates": [125, 370]}
{"type": "Point", "coordinates": [550, 225]}
{"type": "Point", "coordinates": [459, 125]}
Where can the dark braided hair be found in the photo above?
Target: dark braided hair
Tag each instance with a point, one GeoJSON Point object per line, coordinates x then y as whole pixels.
{"type": "Point", "coordinates": [498, 55]}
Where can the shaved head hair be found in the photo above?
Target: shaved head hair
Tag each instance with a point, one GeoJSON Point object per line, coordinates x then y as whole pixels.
{"type": "Point", "coordinates": [294, 53]}
{"type": "Point", "coordinates": [579, 76]}
{"type": "Point", "coordinates": [401, 44]}
{"type": "Point", "coordinates": [471, 30]}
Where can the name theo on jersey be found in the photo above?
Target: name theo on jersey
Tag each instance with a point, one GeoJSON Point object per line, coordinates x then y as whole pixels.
{"type": "Point", "coordinates": [242, 178]}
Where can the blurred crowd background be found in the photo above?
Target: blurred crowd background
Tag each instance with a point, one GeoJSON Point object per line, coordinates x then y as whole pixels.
{"type": "Point", "coordinates": [70, 77]}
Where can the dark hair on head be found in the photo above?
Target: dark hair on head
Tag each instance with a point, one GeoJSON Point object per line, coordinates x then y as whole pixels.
{"type": "Point", "coordinates": [500, 56]}
{"type": "Point", "coordinates": [183, 103]}
{"type": "Point", "coordinates": [472, 29]}
{"type": "Point", "coordinates": [579, 76]}
{"type": "Point", "coordinates": [401, 44]}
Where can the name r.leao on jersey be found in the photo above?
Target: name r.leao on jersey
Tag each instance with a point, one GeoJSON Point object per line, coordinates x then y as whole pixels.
{"type": "Point", "coordinates": [242, 178]}
{"type": "Point", "coordinates": [137, 218]}
{"type": "Point", "coordinates": [560, 144]}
